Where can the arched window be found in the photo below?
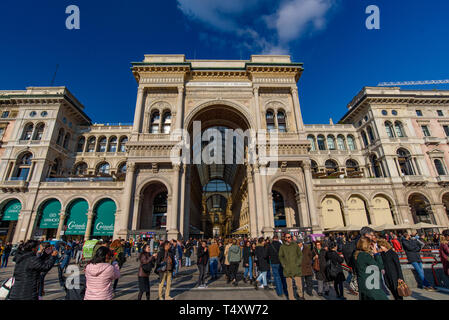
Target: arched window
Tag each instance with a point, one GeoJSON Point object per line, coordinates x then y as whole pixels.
{"type": "Point", "coordinates": [66, 140]}
{"type": "Point", "coordinates": [122, 146]}
{"type": "Point", "coordinates": [39, 131]}
{"type": "Point", "coordinates": [55, 168]}
{"type": "Point", "coordinates": [112, 144]}
{"type": "Point", "coordinates": [166, 122]}
{"type": "Point", "coordinates": [27, 132]}
{"type": "Point", "coordinates": [341, 142]}
{"type": "Point", "coordinates": [60, 138]}
{"type": "Point", "coordinates": [155, 120]}
{"type": "Point", "coordinates": [103, 168]}
{"type": "Point", "coordinates": [282, 124]}
{"type": "Point", "coordinates": [331, 167]}
{"type": "Point", "coordinates": [102, 142]}
{"type": "Point", "coordinates": [122, 168]}
{"type": "Point", "coordinates": [81, 169]}
{"type": "Point", "coordinates": [352, 166]}
{"type": "Point", "coordinates": [351, 143]}
{"type": "Point", "coordinates": [311, 139]}
{"type": "Point", "coordinates": [405, 162]}
{"type": "Point", "coordinates": [399, 129]}
{"type": "Point", "coordinates": [389, 129]}
{"type": "Point", "coordinates": [280, 220]}
{"type": "Point", "coordinates": [375, 166]}
{"type": "Point", "coordinates": [23, 167]}
{"type": "Point", "coordinates": [331, 142]}
{"type": "Point", "coordinates": [270, 121]}
{"type": "Point", "coordinates": [365, 139]}
{"type": "Point", "coordinates": [314, 166]}
{"type": "Point", "coordinates": [80, 144]}
{"type": "Point", "coordinates": [91, 144]}
{"type": "Point", "coordinates": [321, 143]}
{"type": "Point", "coordinates": [439, 166]}
{"type": "Point", "coordinates": [370, 134]}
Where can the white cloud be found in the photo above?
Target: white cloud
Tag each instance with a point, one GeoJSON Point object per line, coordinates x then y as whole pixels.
{"type": "Point", "coordinates": [290, 20]}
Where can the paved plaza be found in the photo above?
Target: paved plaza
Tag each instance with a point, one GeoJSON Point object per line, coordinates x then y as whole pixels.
{"type": "Point", "coordinates": [184, 287]}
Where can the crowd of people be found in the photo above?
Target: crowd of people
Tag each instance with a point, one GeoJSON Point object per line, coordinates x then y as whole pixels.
{"type": "Point", "coordinates": [286, 265]}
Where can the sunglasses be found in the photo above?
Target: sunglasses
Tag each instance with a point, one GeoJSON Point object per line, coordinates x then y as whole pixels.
{"type": "Point", "coordinates": [288, 237]}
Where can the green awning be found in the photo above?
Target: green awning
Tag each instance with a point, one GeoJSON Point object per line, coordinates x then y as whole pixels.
{"type": "Point", "coordinates": [104, 218]}
{"type": "Point", "coordinates": [77, 221]}
{"type": "Point", "coordinates": [50, 215]}
{"type": "Point", "coordinates": [12, 210]}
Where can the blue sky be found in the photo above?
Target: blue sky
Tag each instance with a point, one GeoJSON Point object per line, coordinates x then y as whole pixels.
{"type": "Point", "coordinates": [340, 55]}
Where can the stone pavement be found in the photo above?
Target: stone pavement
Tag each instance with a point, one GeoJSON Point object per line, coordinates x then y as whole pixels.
{"type": "Point", "coordinates": [184, 287]}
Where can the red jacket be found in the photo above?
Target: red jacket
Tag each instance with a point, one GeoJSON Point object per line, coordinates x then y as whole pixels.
{"type": "Point", "coordinates": [396, 245]}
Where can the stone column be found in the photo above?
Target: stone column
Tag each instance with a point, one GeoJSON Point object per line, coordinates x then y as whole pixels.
{"type": "Point", "coordinates": [90, 217]}
{"type": "Point", "coordinates": [61, 224]}
{"type": "Point", "coordinates": [179, 108]}
{"type": "Point", "coordinates": [439, 212]}
{"type": "Point", "coordinates": [182, 201]}
{"type": "Point", "coordinates": [346, 215]}
{"type": "Point", "coordinates": [172, 217]}
{"type": "Point", "coordinates": [259, 209]}
{"type": "Point", "coordinates": [268, 229]}
{"type": "Point", "coordinates": [122, 220]}
{"type": "Point", "coordinates": [300, 199]}
{"type": "Point", "coordinates": [138, 113]}
{"type": "Point", "coordinates": [370, 209]}
{"type": "Point", "coordinates": [252, 203]}
{"type": "Point", "coordinates": [32, 225]}
{"type": "Point", "coordinates": [297, 108]}
{"type": "Point", "coordinates": [257, 107]}
{"type": "Point", "coordinates": [310, 197]}
{"type": "Point", "coordinates": [136, 208]}
{"type": "Point", "coordinates": [186, 232]}
{"type": "Point", "coordinates": [405, 214]}
{"type": "Point", "coordinates": [22, 226]}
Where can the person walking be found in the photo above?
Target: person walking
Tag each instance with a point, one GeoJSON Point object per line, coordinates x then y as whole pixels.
{"type": "Point", "coordinates": [203, 260]}
{"type": "Point", "coordinates": [147, 261]}
{"type": "Point", "coordinates": [393, 271]}
{"type": "Point", "coordinates": [100, 274]}
{"type": "Point", "coordinates": [262, 263]}
{"type": "Point", "coordinates": [334, 270]}
{"type": "Point", "coordinates": [28, 269]}
{"type": "Point", "coordinates": [164, 268]}
{"type": "Point", "coordinates": [221, 257]}
{"type": "Point", "coordinates": [273, 254]}
{"type": "Point", "coordinates": [306, 267]}
{"type": "Point", "coordinates": [234, 258]}
{"type": "Point", "coordinates": [188, 253]}
{"type": "Point", "coordinates": [214, 252]}
{"type": "Point", "coordinates": [320, 274]}
{"type": "Point", "coordinates": [247, 262]}
{"type": "Point", "coordinates": [368, 263]}
{"type": "Point", "coordinates": [226, 260]}
{"type": "Point", "coordinates": [5, 255]}
{"type": "Point", "coordinates": [444, 251]}
{"type": "Point", "coordinates": [412, 248]}
{"type": "Point", "coordinates": [290, 256]}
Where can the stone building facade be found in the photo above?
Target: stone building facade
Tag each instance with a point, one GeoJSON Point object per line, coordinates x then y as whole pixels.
{"type": "Point", "coordinates": [385, 162]}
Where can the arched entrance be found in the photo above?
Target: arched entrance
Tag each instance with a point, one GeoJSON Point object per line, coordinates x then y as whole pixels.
{"type": "Point", "coordinates": [76, 220]}
{"type": "Point", "coordinates": [332, 213]}
{"type": "Point", "coordinates": [152, 211]}
{"type": "Point", "coordinates": [286, 210]}
{"type": "Point", "coordinates": [10, 210]}
{"type": "Point", "coordinates": [421, 209]}
{"type": "Point", "coordinates": [218, 153]}
{"type": "Point", "coordinates": [48, 219]}
{"type": "Point", "coordinates": [104, 219]}
{"type": "Point", "coordinates": [383, 211]}
{"type": "Point", "coordinates": [357, 211]}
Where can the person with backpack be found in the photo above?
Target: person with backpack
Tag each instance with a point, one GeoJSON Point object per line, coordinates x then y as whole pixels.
{"type": "Point", "coordinates": [164, 268]}
{"type": "Point", "coordinates": [28, 269]}
{"type": "Point", "coordinates": [290, 257]}
{"type": "Point", "coordinates": [234, 258]}
{"type": "Point", "coordinates": [334, 270]}
{"type": "Point", "coordinates": [147, 261]}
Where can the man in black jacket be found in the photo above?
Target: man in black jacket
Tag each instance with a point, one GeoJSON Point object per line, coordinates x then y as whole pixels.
{"type": "Point", "coordinates": [276, 267]}
{"type": "Point", "coordinates": [412, 248]}
{"type": "Point", "coordinates": [28, 269]}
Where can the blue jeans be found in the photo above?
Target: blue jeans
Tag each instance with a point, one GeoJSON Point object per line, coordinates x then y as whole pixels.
{"type": "Point", "coordinates": [278, 275]}
{"type": "Point", "coordinates": [213, 265]}
{"type": "Point", "coordinates": [262, 276]}
{"type": "Point", "coordinates": [419, 269]}
{"type": "Point", "coordinates": [349, 278]}
{"type": "Point", "coordinates": [188, 262]}
{"type": "Point", "coordinates": [249, 269]}
{"type": "Point", "coordinates": [5, 258]}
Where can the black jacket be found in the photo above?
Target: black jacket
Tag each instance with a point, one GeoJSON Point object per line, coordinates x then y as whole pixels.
{"type": "Point", "coordinates": [412, 249]}
{"type": "Point", "coordinates": [27, 274]}
{"type": "Point", "coordinates": [393, 271]}
{"type": "Point", "coordinates": [203, 257]}
{"type": "Point", "coordinates": [335, 258]}
{"type": "Point", "coordinates": [348, 251]}
{"type": "Point", "coordinates": [273, 252]}
{"type": "Point", "coordinates": [246, 253]}
{"type": "Point", "coordinates": [160, 259]}
{"type": "Point", "coordinates": [262, 259]}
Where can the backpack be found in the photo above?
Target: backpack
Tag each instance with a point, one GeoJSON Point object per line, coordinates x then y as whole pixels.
{"type": "Point", "coordinates": [147, 267]}
{"type": "Point", "coordinates": [332, 270]}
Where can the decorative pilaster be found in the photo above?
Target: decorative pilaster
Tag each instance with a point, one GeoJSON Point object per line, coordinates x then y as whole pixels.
{"type": "Point", "coordinates": [179, 107]}
{"type": "Point", "coordinates": [138, 113]}
{"type": "Point", "coordinates": [306, 166]}
{"type": "Point", "coordinates": [172, 217]}
{"type": "Point", "coordinates": [90, 217]}
{"type": "Point", "coordinates": [61, 224]}
{"type": "Point", "coordinates": [122, 220]}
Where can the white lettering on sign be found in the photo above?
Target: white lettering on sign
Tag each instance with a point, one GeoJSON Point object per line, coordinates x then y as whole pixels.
{"type": "Point", "coordinates": [219, 84]}
{"type": "Point", "coordinates": [100, 226]}
{"type": "Point", "coordinates": [73, 225]}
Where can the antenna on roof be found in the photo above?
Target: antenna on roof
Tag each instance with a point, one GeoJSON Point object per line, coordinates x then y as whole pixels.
{"type": "Point", "coordinates": [54, 76]}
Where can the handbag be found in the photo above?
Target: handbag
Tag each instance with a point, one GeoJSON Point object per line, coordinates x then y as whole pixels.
{"type": "Point", "coordinates": [403, 289]}
{"type": "Point", "coordinates": [147, 267]}
{"type": "Point", "coordinates": [6, 287]}
{"type": "Point", "coordinates": [316, 264]}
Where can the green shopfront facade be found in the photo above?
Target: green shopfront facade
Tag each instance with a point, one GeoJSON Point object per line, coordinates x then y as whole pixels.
{"type": "Point", "coordinates": [76, 220]}
{"type": "Point", "coordinates": [48, 221]}
{"type": "Point", "coordinates": [9, 215]}
{"type": "Point", "coordinates": [104, 219]}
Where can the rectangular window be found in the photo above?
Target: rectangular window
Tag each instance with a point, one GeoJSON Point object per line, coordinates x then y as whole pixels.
{"type": "Point", "coordinates": [440, 113]}
{"type": "Point", "coordinates": [446, 130]}
{"type": "Point", "coordinates": [419, 113]}
{"type": "Point", "coordinates": [5, 114]}
{"type": "Point", "coordinates": [425, 131]}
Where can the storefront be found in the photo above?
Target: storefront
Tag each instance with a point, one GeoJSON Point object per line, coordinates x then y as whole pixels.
{"type": "Point", "coordinates": [104, 219]}
{"type": "Point", "coordinates": [49, 220]}
{"type": "Point", "coordinates": [9, 216]}
{"type": "Point", "coordinates": [76, 220]}
{"type": "Point", "coordinates": [299, 233]}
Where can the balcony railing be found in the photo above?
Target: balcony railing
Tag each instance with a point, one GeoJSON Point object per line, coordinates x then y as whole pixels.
{"type": "Point", "coordinates": [432, 140]}
{"type": "Point", "coordinates": [443, 180]}
{"type": "Point", "coordinates": [80, 179]}
{"type": "Point", "coordinates": [414, 180]}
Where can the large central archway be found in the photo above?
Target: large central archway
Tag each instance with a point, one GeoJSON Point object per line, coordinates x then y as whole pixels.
{"type": "Point", "coordinates": [218, 192]}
